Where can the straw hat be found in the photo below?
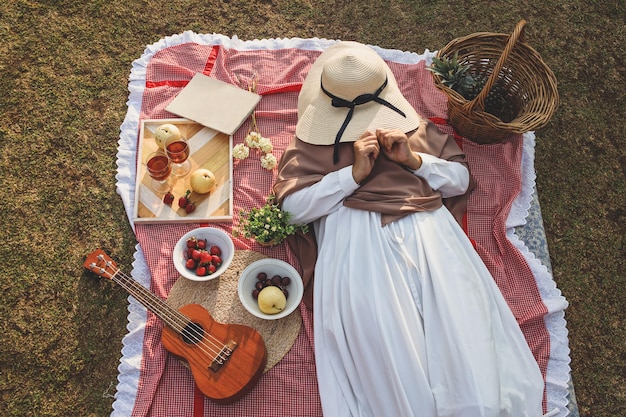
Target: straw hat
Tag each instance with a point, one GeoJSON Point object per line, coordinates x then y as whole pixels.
{"type": "Point", "coordinates": [348, 90]}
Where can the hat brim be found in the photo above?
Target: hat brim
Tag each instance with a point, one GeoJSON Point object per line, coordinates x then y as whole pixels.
{"type": "Point", "coordinates": [319, 122]}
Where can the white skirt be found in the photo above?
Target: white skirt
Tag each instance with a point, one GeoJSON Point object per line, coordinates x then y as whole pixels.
{"type": "Point", "coordinates": [409, 322]}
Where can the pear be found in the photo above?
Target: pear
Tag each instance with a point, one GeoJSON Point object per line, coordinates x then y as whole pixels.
{"type": "Point", "coordinates": [202, 181]}
{"type": "Point", "coordinates": [272, 300]}
{"type": "Point", "coordinates": [165, 133]}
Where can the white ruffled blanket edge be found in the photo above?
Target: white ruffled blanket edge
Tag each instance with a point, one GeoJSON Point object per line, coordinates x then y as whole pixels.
{"type": "Point", "coordinates": [558, 379]}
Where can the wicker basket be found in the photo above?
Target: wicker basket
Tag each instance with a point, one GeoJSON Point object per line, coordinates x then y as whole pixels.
{"type": "Point", "coordinates": [527, 83]}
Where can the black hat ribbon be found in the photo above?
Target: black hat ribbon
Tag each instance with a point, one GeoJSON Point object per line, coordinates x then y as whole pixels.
{"type": "Point", "coordinates": [362, 99]}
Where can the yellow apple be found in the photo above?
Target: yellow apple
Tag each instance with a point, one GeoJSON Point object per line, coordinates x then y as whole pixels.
{"type": "Point", "coordinates": [202, 181]}
{"type": "Point", "coordinates": [272, 300]}
{"type": "Point", "coordinates": [166, 133]}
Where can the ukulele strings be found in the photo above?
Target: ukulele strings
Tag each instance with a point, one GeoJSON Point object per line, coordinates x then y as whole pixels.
{"type": "Point", "coordinates": [177, 320]}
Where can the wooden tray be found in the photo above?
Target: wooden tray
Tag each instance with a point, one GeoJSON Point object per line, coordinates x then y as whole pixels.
{"type": "Point", "coordinates": [209, 149]}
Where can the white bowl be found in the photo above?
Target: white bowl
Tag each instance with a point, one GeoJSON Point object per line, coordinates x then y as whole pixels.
{"type": "Point", "coordinates": [213, 236]}
{"type": "Point", "coordinates": [271, 267]}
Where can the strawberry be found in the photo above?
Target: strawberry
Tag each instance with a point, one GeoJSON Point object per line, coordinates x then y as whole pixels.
{"type": "Point", "coordinates": [190, 264]}
{"type": "Point", "coordinates": [205, 257]}
{"type": "Point", "coordinates": [195, 254]}
{"type": "Point", "coordinates": [201, 271]}
{"type": "Point", "coordinates": [184, 200]}
{"type": "Point", "coordinates": [191, 207]}
{"type": "Point", "coordinates": [168, 198]}
{"type": "Point", "coordinates": [201, 244]}
{"type": "Point", "coordinates": [216, 260]}
{"type": "Point", "coordinates": [215, 250]}
{"type": "Point", "coordinates": [211, 268]}
{"type": "Point", "coordinates": [192, 242]}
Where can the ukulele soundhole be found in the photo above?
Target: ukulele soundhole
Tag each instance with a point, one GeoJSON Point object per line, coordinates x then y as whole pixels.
{"type": "Point", "coordinates": [192, 333]}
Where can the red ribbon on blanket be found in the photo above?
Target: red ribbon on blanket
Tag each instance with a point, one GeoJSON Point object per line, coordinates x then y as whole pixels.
{"type": "Point", "coordinates": [208, 68]}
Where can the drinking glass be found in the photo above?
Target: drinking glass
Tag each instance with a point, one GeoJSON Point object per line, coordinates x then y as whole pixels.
{"type": "Point", "coordinates": [159, 168]}
{"type": "Point", "coordinates": [178, 152]}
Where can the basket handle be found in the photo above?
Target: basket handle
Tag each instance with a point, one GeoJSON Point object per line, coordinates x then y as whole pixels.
{"type": "Point", "coordinates": [479, 100]}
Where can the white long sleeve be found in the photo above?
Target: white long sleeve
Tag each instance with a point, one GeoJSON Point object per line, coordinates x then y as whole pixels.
{"type": "Point", "coordinates": [327, 195]}
{"type": "Point", "coordinates": [449, 178]}
{"type": "Point", "coordinates": [321, 198]}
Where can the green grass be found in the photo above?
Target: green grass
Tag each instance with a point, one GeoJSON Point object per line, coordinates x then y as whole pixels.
{"type": "Point", "coordinates": [64, 69]}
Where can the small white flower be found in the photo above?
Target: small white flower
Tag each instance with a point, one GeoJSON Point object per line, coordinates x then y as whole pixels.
{"type": "Point", "coordinates": [265, 145]}
{"type": "Point", "coordinates": [268, 161]}
{"type": "Point", "coordinates": [241, 151]}
{"type": "Point", "coordinates": [252, 140]}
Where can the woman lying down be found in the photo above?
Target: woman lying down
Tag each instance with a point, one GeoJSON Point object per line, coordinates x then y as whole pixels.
{"type": "Point", "coordinates": [407, 319]}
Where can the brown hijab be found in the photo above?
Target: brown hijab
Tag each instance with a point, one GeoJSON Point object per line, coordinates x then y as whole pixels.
{"type": "Point", "coordinates": [390, 189]}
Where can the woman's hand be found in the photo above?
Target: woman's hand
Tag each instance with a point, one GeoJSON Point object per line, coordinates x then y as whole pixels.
{"type": "Point", "coordinates": [366, 150]}
{"type": "Point", "coordinates": [395, 145]}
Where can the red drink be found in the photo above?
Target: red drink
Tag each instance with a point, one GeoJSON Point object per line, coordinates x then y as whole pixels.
{"type": "Point", "coordinates": [159, 167]}
{"type": "Point", "coordinates": [177, 151]}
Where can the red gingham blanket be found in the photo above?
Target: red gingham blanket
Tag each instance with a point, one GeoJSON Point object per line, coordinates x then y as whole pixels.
{"type": "Point", "coordinates": [165, 387]}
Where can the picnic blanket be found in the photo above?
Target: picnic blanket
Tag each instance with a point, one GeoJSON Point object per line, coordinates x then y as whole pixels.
{"type": "Point", "coordinates": [153, 383]}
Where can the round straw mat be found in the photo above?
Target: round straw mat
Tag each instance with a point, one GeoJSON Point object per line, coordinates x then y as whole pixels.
{"type": "Point", "coordinates": [220, 298]}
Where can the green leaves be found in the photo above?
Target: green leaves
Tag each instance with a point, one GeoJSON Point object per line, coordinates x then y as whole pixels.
{"type": "Point", "coordinates": [453, 74]}
{"type": "Point", "coordinates": [267, 223]}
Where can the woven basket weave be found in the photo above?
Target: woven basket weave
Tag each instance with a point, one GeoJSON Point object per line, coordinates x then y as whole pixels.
{"type": "Point", "coordinates": [527, 82]}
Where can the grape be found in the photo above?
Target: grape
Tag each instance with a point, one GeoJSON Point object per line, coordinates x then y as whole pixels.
{"type": "Point", "coordinates": [277, 281]}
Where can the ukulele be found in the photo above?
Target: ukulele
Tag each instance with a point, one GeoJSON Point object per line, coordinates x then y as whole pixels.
{"type": "Point", "coordinates": [226, 360]}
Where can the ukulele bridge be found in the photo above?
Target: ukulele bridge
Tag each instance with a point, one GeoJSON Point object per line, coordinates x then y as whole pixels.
{"type": "Point", "coordinates": [223, 356]}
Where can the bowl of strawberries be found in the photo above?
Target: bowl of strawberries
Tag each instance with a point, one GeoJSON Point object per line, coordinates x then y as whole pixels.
{"type": "Point", "coordinates": [203, 254]}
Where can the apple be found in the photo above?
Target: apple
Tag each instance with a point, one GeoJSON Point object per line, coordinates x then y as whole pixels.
{"type": "Point", "coordinates": [272, 300]}
{"type": "Point", "coordinates": [202, 181]}
{"type": "Point", "coordinates": [166, 133]}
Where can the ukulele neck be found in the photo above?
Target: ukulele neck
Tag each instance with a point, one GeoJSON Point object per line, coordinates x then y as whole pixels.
{"type": "Point", "coordinates": [148, 299]}
{"type": "Point", "coordinates": [102, 265]}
